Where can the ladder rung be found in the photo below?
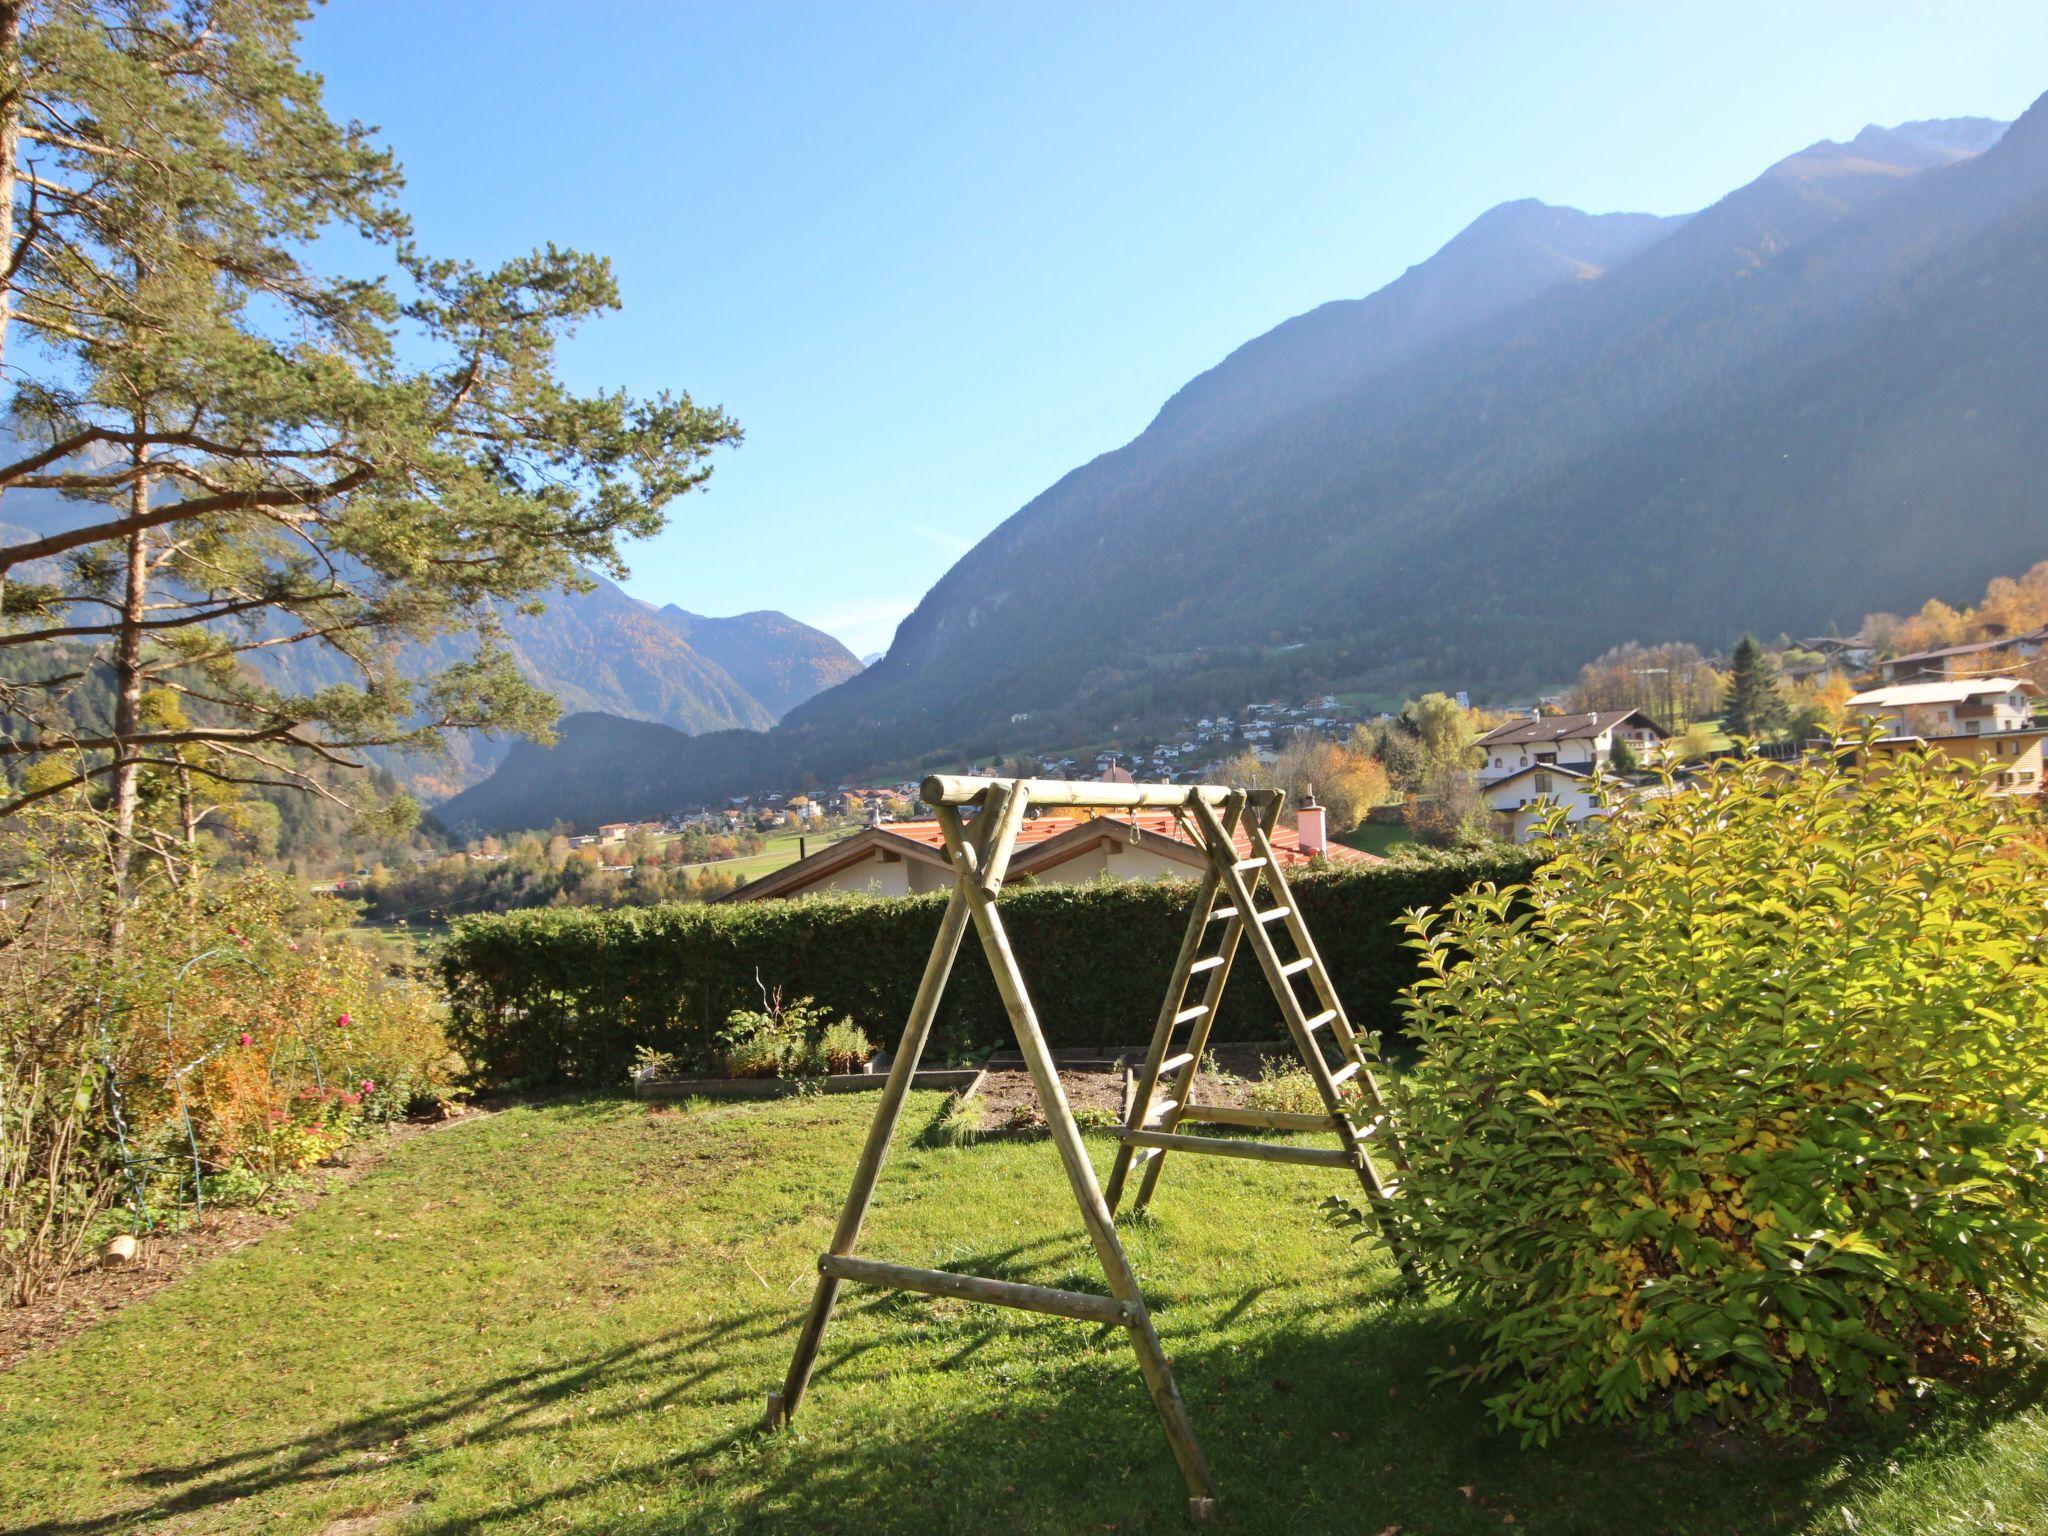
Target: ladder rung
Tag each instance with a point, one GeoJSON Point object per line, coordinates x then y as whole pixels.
{"type": "Point", "coordinates": [1244, 864]}
{"type": "Point", "coordinates": [1175, 1063]}
{"type": "Point", "coordinates": [1189, 1015]}
{"type": "Point", "coordinates": [1296, 967]}
{"type": "Point", "coordinates": [1001, 1293]}
{"type": "Point", "coordinates": [1257, 1151]}
{"type": "Point", "coordinates": [1221, 914]}
{"type": "Point", "coordinates": [1344, 1074]}
{"type": "Point", "coordinates": [1158, 1108]}
{"type": "Point", "coordinates": [1273, 915]}
{"type": "Point", "coordinates": [1316, 1023]}
{"type": "Point", "coordinates": [1207, 963]}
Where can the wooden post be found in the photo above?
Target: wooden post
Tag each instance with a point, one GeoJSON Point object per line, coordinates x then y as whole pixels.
{"type": "Point", "coordinates": [1066, 1139]}
{"type": "Point", "coordinates": [945, 948]}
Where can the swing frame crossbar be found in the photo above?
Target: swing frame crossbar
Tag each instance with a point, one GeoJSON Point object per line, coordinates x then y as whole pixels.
{"type": "Point", "coordinates": [979, 853]}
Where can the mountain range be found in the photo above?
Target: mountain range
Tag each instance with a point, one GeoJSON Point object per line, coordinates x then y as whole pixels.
{"type": "Point", "coordinates": [596, 651]}
{"type": "Point", "coordinates": [604, 651]}
{"type": "Point", "coordinates": [1818, 397]}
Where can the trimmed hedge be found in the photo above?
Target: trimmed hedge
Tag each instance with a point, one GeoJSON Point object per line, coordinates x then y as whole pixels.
{"type": "Point", "coordinates": [548, 997]}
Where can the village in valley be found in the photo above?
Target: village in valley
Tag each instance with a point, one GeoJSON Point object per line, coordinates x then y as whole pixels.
{"type": "Point", "coordinates": [1540, 768]}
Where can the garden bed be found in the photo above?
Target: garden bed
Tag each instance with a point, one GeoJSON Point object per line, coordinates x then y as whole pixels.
{"type": "Point", "coordinates": [651, 1087]}
{"type": "Point", "coordinates": [1099, 1084]}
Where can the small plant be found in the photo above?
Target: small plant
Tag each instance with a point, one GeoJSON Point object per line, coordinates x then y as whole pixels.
{"type": "Point", "coordinates": [844, 1047]}
{"type": "Point", "coordinates": [648, 1062]}
{"type": "Point", "coordinates": [962, 1122]}
{"type": "Point", "coordinates": [793, 1039]}
{"type": "Point", "coordinates": [759, 1055]}
{"type": "Point", "coordinates": [1283, 1084]}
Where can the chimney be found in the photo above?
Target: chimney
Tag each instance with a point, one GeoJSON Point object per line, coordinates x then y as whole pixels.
{"type": "Point", "coordinates": [1310, 834]}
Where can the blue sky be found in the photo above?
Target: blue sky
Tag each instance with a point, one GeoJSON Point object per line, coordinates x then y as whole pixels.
{"type": "Point", "coordinates": [932, 256]}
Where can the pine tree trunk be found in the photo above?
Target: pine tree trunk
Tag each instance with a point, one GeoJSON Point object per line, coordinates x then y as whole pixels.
{"type": "Point", "coordinates": [11, 72]}
{"type": "Point", "coordinates": [127, 777]}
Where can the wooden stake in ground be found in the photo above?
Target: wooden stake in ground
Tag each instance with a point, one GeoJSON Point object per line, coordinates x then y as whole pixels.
{"type": "Point", "coordinates": [979, 856]}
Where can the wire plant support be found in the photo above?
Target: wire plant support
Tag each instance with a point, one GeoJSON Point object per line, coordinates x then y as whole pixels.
{"type": "Point", "coordinates": [1234, 829]}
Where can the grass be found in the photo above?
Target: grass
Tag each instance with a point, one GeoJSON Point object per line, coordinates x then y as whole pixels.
{"type": "Point", "coordinates": [1376, 837]}
{"type": "Point", "coordinates": [563, 1319]}
{"type": "Point", "coordinates": [779, 850]}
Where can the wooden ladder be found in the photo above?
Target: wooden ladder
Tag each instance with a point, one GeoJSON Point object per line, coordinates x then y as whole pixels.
{"type": "Point", "coordinates": [1355, 1109]}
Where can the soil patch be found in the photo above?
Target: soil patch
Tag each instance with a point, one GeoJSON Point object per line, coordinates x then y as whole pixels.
{"type": "Point", "coordinates": [95, 1291]}
{"type": "Point", "coordinates": [1094, 1083]}
{"type": "Point", "coordinates": [1010, 1102]}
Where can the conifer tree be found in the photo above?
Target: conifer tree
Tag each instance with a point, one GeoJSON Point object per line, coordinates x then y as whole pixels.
{"type": "Point", "coordinates": [281, 477]}
{"type": "Point", "coordinates": [1752, 706]}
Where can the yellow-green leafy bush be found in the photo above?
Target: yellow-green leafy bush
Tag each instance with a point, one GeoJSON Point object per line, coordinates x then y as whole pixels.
{"type": "Point", "coordinates": [1735, 1112]}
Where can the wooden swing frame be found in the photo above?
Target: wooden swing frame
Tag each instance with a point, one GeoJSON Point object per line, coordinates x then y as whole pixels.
{"type": "Point", "coordinates": [980, 855]}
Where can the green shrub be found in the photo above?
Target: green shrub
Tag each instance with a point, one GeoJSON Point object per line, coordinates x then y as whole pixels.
{"type": "Point", "coordinates": [844, 1047]}
{"type": "Point", "coordinates": [1284, 1085]}
{"type": "Point", "coordinates": [546, 997]}
{"type": "Point", "coordinates": [1736, 1111]}
{"type": "Point", "coordinates": [788, 1040]}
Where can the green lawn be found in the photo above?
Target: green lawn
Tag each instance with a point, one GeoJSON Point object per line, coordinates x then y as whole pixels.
{"type": "Point", "coordinates": [1372, 837]}
{"type": "Point", "coordinates": [563, 1319]}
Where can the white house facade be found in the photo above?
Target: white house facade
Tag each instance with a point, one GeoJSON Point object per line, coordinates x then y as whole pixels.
{"type": "Point", "coordinates": [1579, 742]}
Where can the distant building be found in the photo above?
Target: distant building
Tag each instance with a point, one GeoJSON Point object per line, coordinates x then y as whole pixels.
{"type": "Point", "coordinates": [1855, 653]}
{"type": "Point", "coordinates": [1975, 659]}
{"type": "Point", "coordinates": [1581, 742]}
{"type": "Point", "coordinates": [908, 857]}
{"type": "Point", "coordinates": [1979, 720]}
{"type": "Point", "coordinates": [1520, 801]}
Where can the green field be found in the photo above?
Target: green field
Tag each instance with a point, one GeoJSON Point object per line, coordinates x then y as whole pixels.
{"type": "Point", "coordinates": [781, 850]}
{"type": "Point", "coordinates": [563, 1319]}
{"type": "Point", "coordinates": [1371, 837]}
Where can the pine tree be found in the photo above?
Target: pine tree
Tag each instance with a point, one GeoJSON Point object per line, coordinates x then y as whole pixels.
{"type": "Point", "coordinates": [1752, 706]}
{"type": "Point", "coordinates": [275, 463]}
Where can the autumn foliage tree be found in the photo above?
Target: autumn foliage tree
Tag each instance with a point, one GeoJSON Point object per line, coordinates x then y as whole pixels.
{"type": "Point", "coordinates": [1345, 777]}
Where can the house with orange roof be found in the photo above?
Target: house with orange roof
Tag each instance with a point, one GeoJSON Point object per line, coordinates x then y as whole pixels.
{"type": "Point", "coordinates": [907, 858]}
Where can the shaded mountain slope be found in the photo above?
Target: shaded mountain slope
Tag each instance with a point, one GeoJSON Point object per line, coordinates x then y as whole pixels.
{"type": "Point", "coordinates": [779, 661]}
{"type": "Point", "coordinates": [1818, 397]}
{"type": "Point", "coordinates": [1769, 416]}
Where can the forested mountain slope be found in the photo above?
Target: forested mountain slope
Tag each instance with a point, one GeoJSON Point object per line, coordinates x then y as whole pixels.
{"type": "Point", "coordinates": [1773, 413]}
{"type": "Point", "coordinates": [1818, 397]}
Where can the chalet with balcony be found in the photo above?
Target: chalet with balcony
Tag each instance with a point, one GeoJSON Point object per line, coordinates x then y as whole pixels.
{"type": "Point", "coordinates": [1975, 720]}
{"type": "Point", "coordinates": [1580, 742]}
